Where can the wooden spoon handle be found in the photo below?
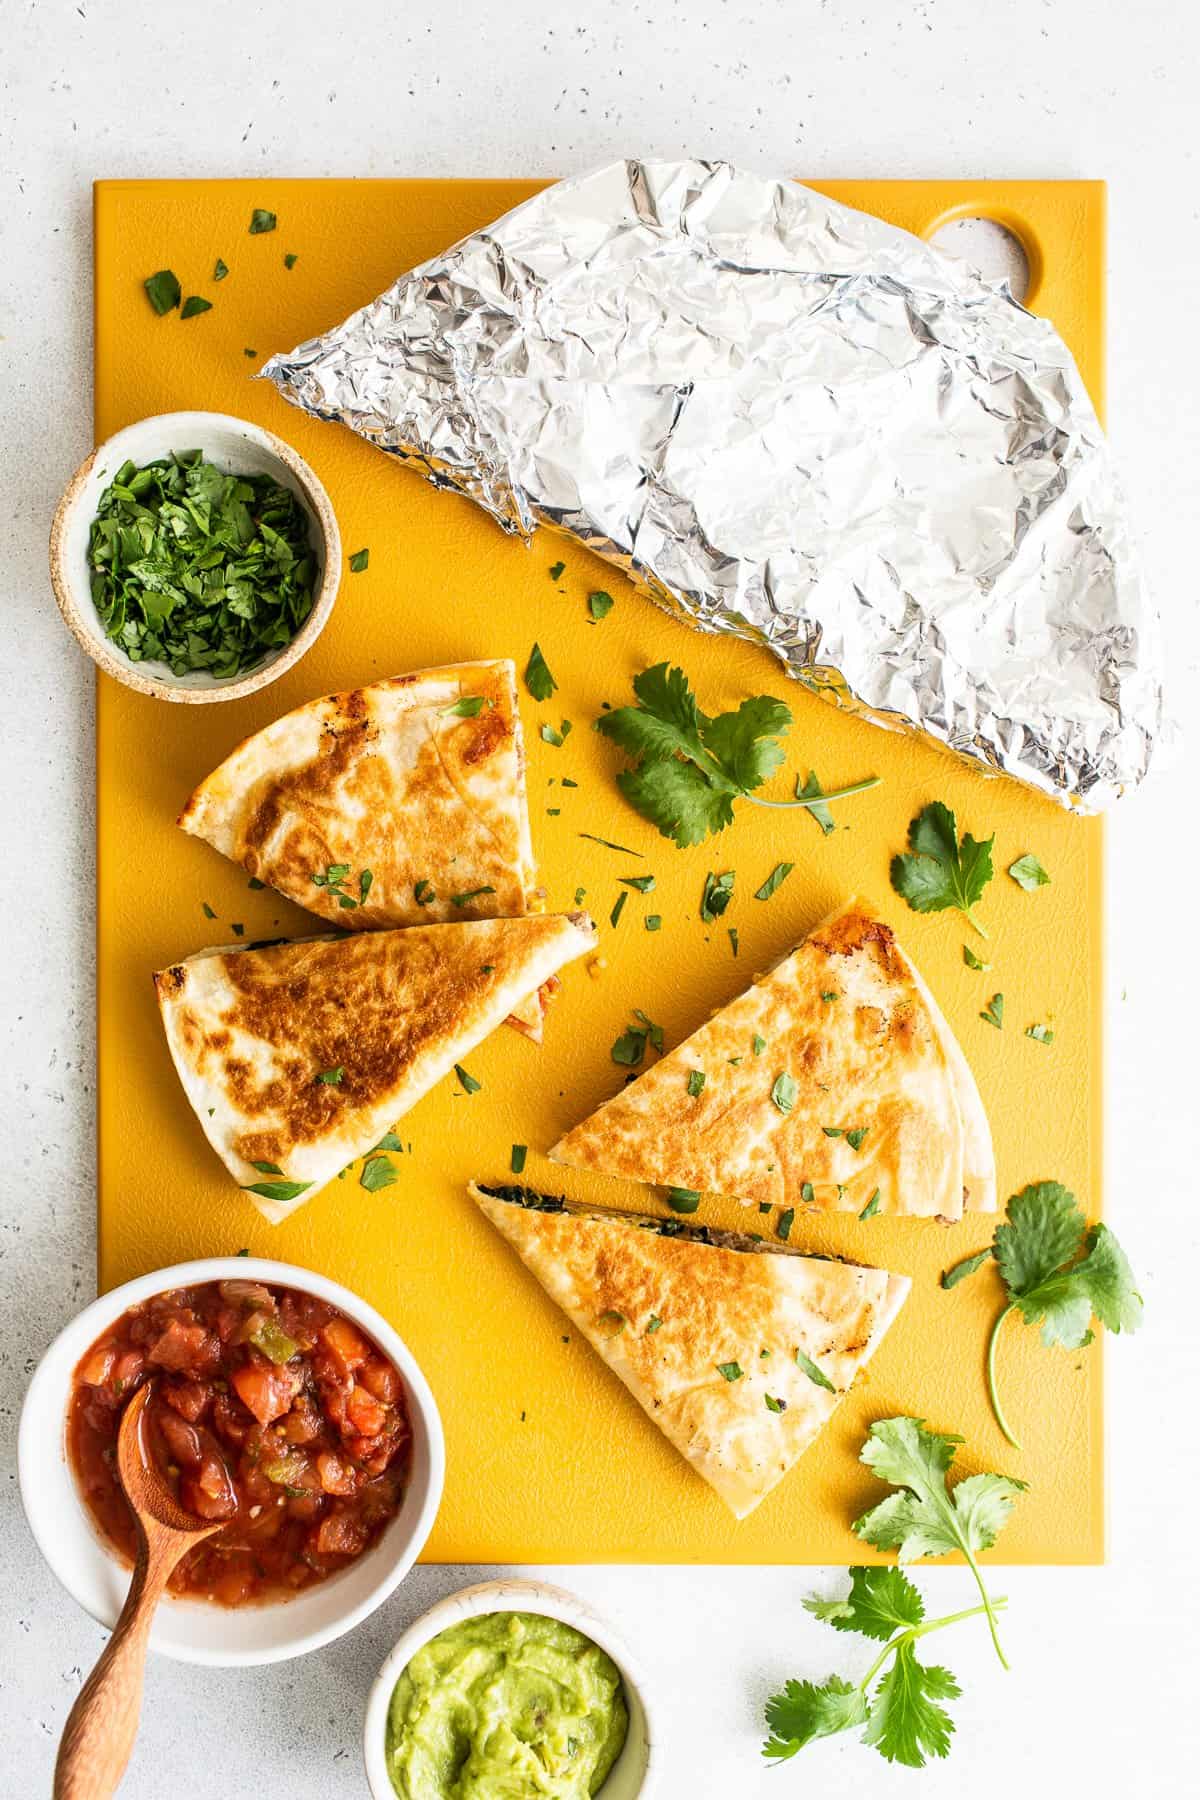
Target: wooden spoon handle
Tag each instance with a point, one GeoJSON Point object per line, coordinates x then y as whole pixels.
{"type": "Point", "coordinates": [98, 1738]}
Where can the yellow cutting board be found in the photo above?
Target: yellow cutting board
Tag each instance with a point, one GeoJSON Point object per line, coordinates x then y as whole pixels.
{"type": "Point", "coordinates": [548, 1458]}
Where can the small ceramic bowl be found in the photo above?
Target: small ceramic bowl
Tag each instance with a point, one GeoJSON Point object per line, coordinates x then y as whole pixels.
{"type": "Point", "coordinates": [196, 1631]}
{"type": "Point", "coordinates": [634, 1775]}
{"type": "Point", "coordinates": [235, 446]}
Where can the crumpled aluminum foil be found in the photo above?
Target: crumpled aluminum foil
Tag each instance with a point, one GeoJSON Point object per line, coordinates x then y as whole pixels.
{"type": "Point", "coordinates": [790, 421]}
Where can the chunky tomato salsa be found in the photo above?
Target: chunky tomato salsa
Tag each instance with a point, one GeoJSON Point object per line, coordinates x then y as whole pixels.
{"type": "Point", "coordinates": [270, 1411]}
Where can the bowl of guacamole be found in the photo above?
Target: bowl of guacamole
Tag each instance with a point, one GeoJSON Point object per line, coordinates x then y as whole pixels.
{"type": "Point", "coordinates": [508, 1690]}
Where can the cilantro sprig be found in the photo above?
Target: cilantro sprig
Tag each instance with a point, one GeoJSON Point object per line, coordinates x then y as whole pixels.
{"type": "Point", "coordinates": [898, 1701]}
{"type": "Point", "coordinates": [941, 871]}
{"type": "Point", "coordinates": [689, 768]}
{"type": "Point", "coordinates": [1059, 1272]}
{"type": "Point", "coordinates": [904, 1718]}
{"type": "Point", "coordinates": [924, 1517]}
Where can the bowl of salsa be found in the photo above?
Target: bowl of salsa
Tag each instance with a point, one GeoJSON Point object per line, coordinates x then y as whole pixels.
{"type": "Point", "coordinates": [282, 1407]}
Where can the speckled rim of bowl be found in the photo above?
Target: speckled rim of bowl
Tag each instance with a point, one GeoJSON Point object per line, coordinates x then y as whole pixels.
{"type": "Point", "coordinates": [195, 1631]}
{"type": "Point", "coordinates": [635, 1773]}
{"type": "Point", "coordinates": [143, 441]}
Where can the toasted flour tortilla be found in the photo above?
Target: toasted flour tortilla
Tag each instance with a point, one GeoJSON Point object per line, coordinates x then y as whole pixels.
{"type": "Point", "coordinates": [722, 1299]}
{"type": "Point", "coordinates": [393, 780]}
{"type": "Point", "coordinates": [253, 1031]}
{"type": "Point", "coordinates": [858, 1096]}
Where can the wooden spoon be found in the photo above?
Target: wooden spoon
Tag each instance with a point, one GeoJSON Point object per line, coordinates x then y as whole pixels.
{"type": "Point", "coordinates": [99, 1735]}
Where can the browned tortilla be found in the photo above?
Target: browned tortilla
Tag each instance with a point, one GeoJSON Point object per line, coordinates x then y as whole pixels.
{"type": "Point", "coordinates": [856, 1097]}
{"type": "Point", "coordinates": [253, 1031]}
{"type": "Point", "coordinates": [720, 1306]}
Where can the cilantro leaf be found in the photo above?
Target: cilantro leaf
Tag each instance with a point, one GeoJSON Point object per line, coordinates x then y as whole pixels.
{"type": "Point", "coordinates": [689, 768]}
{"type": "Point", "coordinates": [880, 1601]}
{"type": "Point", "coordinates": [993, 1012]}
{"type": "Point", "coordinates": [774, 881]}
{"type": "Point", "coordinates": [683, 1200]}
{"type": "Point", "coordinates": [718, 892]}
{"type": "Point", "coordinates": [1028, 873]}
{"type": "Point", "coordinates": [538, 679]}
{"type": "Point", "coordinates": [972, 961]}
{"type": "Point", "coordinates": [814, 792]}
{"type": "Point", "coordinates": [906, 1724]}
{"type": "Point", "coordinates": [923, 1518]}
{"type": "Point", "coordinates": [630, 1047]}
{"type": "Point", "coordinates": [163, 290]}
{"type": "Point", "coordinates": [600, 605]}
{"type": "Point", "coordinates": [194, 304]}
{"type": "Point", "coordinates": [676, 797]}
{"type": "Point", "coordinates": [783, 1092]}
{"type": "Point", "coordinates": [951, 1277]}
{"type": "Point", "coordinates": [360, 560]}
{"type": "Point", "coordinates": [377, 1172]}
{"type": "Point", "coordinates": [941, 872]}
{"type": "Point", "coordinates": [803, 1712]}
{"type": "Point", "coordinates": [1041, 1034]}
{"type": "Point", "coordinates": [260, 221]}
{"type": "Point", "coordinates": [745, 743]}
{"type": "Point", "coordinates": [277, 1190]}
{"type": "Point", "coordinates": [817, 1376]}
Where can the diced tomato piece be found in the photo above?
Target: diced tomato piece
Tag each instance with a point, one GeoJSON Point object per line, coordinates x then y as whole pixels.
{"type": "Point", "coordinates": [230, 1419]}
{"type": "Point", "coordinates": [265, 1388]}
{"type": "Point", "coordinates": [340, 1534]}
{"type": "Point", "coordinates": [189, 1398]}
{"type": "Point", "coordinates": [336, 1476]}
{"type": "Point", "coordinates": [345, 1343]}
{"type": "Point", "coordinates": [182, 1440]}
{"type": "Point", "coordinates": [185, 1347]}
{"type": "Point", "coordinates": [381, 1379]}
{"type": "Point", "coordinates": [366, 1415]}
{"type": "Point", "coordinates": [98, 1365]}
{"type": "Point", "coordinates": [129, 1367]}
{"type": "Point", "coordinates": [209, 1492]}
{"type": "Point", "coordinates": [303, 1424]}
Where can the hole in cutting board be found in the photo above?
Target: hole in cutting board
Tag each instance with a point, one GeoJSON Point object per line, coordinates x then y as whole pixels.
{"type": "Point", "coordinates": [995, 251]}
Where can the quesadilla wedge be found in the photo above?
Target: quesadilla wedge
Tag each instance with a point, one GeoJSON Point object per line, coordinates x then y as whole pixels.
{"type": "Point", "coordinates": [834, 1082]}
{"type": "Point", "coordinates": [298, 1057]}
{"type": "Point", "coordinates": [683, 1314]}
{"type": "Point", "coordinates": [402, 803]}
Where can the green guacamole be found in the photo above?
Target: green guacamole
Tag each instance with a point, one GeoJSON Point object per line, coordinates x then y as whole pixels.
{"type": "Point", "coordinates": [507, 1706]}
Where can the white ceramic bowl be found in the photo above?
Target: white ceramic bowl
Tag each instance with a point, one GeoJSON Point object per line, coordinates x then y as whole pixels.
{"type": "Point", "coordinates": [235, 446]}
{"type": "Point", "coordinates": [195, 1630]}
{"type": "Point", "coordinates": [634, 1775]}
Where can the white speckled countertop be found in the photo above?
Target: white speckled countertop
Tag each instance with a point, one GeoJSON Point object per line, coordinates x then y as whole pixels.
{"type": "Point", "coordinates": [1106, 1662]}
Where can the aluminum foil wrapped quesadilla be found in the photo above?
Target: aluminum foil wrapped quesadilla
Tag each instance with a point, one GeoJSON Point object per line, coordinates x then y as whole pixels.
{"type": "Point", "coordinates": [296, 1058]}
{"type": "Point", "coordinates": [833, 1083]}
{"type": "Point", "coordinates": [716, 1303]}
{"type": "Point", "coordinates": [792, 422]}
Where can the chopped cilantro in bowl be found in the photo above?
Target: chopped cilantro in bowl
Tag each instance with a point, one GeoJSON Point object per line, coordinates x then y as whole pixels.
{"type": "Point", "coordinates": [195, 556]}
{"type": "Point", "coordinates": [200, 569]}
